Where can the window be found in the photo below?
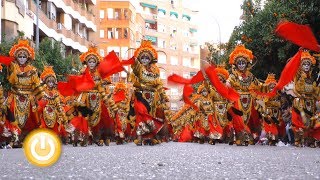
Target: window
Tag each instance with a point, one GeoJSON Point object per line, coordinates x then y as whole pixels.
{"type": "Point", "coordinates": [161, 43]}
{"type": "Point", "coordinates": [102, 52]}
{"type": "Point", "coordinates": [174, 106]}
{"type": "Point", "coordinates": [118, 33]}
{"type": "Point", "coordinates": [174, 91]}
{"type": "Point", "coordinates": [186, 33]}
{"type": "Point", "coordinates": [186, 62]}
{"type": "Point", "coordinates": [110, 13]}
{"type": "Point", "coordinates": [173, 45]}
{"type": "Point", "coordinates": [161, 28]}
{"type": "Point", "coordinates": [110, 33]}
{"type": "Point", "coordinates": [124, 52]}
{"type": "Point", "coordinates": [163, 75]}
{"type": "Point", "coordinates": [186, 75]}
{"type": "Point", "coordinates": [162, 58]}
{"type": "Point", "coordinates": [101, 14]}
{"type": "Point", "coordinates": [174, 60]}
{"type": "Point", "coordinates": [186, 47]}
{"type": "Point", "coordinates": [125, 33]}
{"type": "Point", "coordinates": [101, 33]}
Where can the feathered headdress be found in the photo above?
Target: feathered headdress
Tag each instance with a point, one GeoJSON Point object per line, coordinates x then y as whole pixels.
{"type": "Point", "coordinates": [23, 45]}
{"type": "Point", "coordinates": [270, 79]}
{"type": "Point", "coordinates": [91, 53]}
{"type": "Point", "coordinates": [305, 56]}
{"type": "Point", "coordinates": [240, 51]}
{"type": "Point", "coordinates": [220, 70]}
{"type": "Point", "coordinates": [146, 49]}
{"type": "Point", "coordinates": [47, 72]}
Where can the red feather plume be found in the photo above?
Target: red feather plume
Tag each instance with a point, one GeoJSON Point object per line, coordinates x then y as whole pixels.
{"type": "Point", "coordinates": [298, 34]}
{"type": "Point", "coordinates": [226, 92]}
{"type": "Point", "coordinates": [119, 96]}
{"type": "Point", "coordinates": [110, 65]}
{"type": "Point", "coordinates": [65, 89]}
{"type": "Point", "coordinates": [6, 60]}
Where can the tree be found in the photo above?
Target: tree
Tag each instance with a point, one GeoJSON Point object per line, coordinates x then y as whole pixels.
{"type": "Point", "coordinates": [256, 31]}
{"type": "Point", "coordinates": [50, 54]}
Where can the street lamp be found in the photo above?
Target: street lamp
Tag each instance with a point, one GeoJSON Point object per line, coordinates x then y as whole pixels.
{"type": "Point", "coordinates": [219, 32]}
{"type": "Point", "coordinates": [37, 25]}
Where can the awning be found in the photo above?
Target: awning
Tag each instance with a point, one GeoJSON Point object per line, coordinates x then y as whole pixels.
{"type": "Point", "coordinates": [174, 13]}
{"type": "Point", "coordinates": [151, 38]}
{"type": "Point", "coordinates": [193, 30]}
{"type": "Point", "coordinates": [150, 21]}
{"type": "Point", "coordinates": [148, 5]}
{"type": "Point", "coordinates": [186, 16]}
{"type": "Point", "coordinates": [162, 10]}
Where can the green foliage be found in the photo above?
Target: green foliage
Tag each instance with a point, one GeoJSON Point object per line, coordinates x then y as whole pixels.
{"type": "Point", "coordinates": [49, 54]}
{"type": "Point", "coordinates": [256, 31]}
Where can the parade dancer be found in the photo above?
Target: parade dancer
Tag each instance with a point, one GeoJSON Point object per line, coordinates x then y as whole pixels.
{"type": "Point", "coordinates": [304, 104]}
{"type": "Point", "coordinates": [122, 100]}
{"type": "Point", "coordinates": [51, 112]}
{"type": "Point", "coordinates": [149, 100]}
{"type": "Point", "coordinates": [243, 81]}
{"type": "Point", "coordinates": [25, 89]}
{"type": "Point", "coordinates": [270, 111]}
{"type": "Point", "coordinates": [98, 100]}
{"type": "Point", "coordinates": [221, 106]}
{"type": "Point", "coordinates": [206, 125]}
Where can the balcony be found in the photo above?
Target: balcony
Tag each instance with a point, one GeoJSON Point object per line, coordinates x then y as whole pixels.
{"type": "Point", "coordinates": [57, 27]}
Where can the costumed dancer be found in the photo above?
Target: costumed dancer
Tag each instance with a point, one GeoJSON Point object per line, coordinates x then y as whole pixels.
{"type": "Point", "coordinates": [304, 104]}
{"type": "Point", "coordinates": [243, 81]}
{"type": "Point", "coordinates": [149, 100]}
{"type": "Point", "coordinates": [25, 90]}
{"type": "Point", "coordinates": [98, 100]}
{"type": "Point", "coordinates": [206, 126]}
{"type": "Point", "coordinates": [221, 106]}
{"type": "Point", "coordinates": [51, 111]}
{"type": "Point", "coordinates": [270, 111]}
{"type": "Point", "coordinates": [122, 100]}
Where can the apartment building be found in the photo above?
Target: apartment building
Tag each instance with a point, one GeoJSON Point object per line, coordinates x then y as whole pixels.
{"type": "Point", "coordinates": [120, 28]}
{"type": "Point", "coordinates": [123, 24]}
{"type": "Point", "coordinates": [73, 22]}
{"type": "Point", "coordinates": [170, 27]}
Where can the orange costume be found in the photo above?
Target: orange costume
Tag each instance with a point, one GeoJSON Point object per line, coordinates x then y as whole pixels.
{"type": "Point", "coordinates": [243, 81]}
{"type": "Point", "coordinates": [98, 100]}
{"type": "Point", "coordinates": [25, 90]}
{"type": "Point", "coordinates": [51, 112]}
{"type": "Point", "coordinates": [149, 100]}
{"type": "Point", "coordinates": [304, 103]}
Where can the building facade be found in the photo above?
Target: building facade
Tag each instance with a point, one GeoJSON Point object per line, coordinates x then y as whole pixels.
{"type": "Point", "coordinates": [73, 22]}
{"type": "Point", "coordinates": [170, 27]}
{"type": "Point", "coordinates": [123, 24]}
{"type": "Point", "coordinates": [121, 27]}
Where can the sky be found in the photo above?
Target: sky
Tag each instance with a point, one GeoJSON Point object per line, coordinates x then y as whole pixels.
{"type": "Point", "coordinates": [215, 13]}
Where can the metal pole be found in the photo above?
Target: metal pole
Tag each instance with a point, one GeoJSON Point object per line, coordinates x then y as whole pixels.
{"type": "Point", "coordinates": [219, 34]}
{"type": "Point", "coordinates": [37, 25]}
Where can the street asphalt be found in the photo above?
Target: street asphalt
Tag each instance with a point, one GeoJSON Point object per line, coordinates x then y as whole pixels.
{"type": "Point", "coordinates": [169, 161]}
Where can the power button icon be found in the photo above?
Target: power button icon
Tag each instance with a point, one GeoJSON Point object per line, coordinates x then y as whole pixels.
{"type": "Point", "coordinates": [42, 147]}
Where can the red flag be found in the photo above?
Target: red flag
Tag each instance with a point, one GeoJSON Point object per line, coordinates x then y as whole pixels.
{"type": "Point", "coordinates": [298, 34]}
{"type": "Point", "coordinates": [65, 89]}
{"type": "Point", "coordinates": [226, 92]}
{"type": "Point", "coordinates": [119, 96]}
{"type": "Point", "coordinates": [110, 65]}
{"type": "Point", "coordinates": [81, 83]}
{"type": "Point", "coordinates": [288, 72]}
{"type": "Point", "coordinates": [6, 60]}
{"type": "Point", "coordinates": [128, 62]}
{"type": "Point", "coordinates": [181, 80]}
